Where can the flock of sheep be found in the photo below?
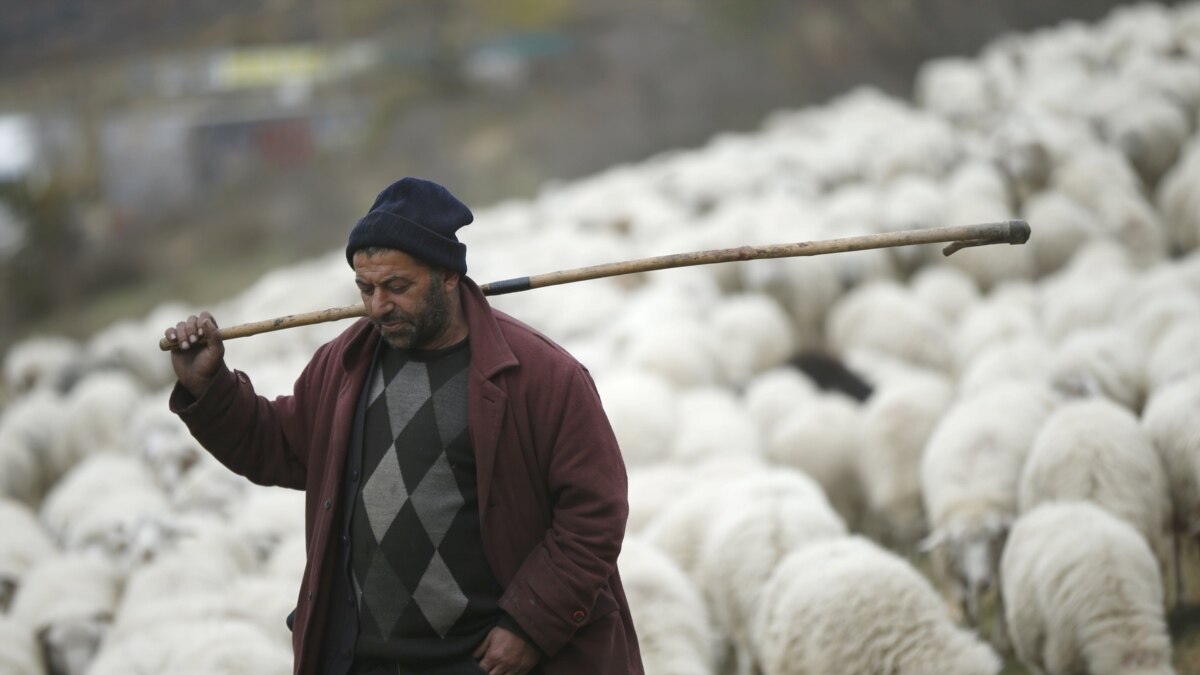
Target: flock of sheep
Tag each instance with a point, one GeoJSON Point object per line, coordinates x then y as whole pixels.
{"type": "Point", "coordinates": [1016, 469]}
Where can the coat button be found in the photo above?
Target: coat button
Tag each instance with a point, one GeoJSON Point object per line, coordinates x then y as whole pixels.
{"type": "Point", "coordinates": [579, 615]}
{"type": "Point", "coordinates": [328, 504]}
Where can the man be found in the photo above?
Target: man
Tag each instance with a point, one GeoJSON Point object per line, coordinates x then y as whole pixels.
{"type": "Point", "coordinates": [466, 498]}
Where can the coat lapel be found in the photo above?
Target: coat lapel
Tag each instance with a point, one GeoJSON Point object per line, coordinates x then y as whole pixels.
{"type": "Point", "coordinates": [487, 402]}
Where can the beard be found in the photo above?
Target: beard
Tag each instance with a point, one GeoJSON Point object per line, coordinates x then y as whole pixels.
{"type": "Point", "coordinates": [412, 331]}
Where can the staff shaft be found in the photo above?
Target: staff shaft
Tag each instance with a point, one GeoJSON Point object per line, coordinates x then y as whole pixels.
{"type": "Point", "coordinates": [959, 236]}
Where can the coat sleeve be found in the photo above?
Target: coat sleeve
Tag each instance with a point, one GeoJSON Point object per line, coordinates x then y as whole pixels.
{"type": "Point", "coordinates": [563, 583]}
{"type": "Point", "coordinates": [257, 438]}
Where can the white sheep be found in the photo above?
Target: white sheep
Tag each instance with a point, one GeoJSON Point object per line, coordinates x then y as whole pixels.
{"type": "Point", "coordinates": [102, 504]}
{"type": "Point", "coordinates": [1083, 594]}
{"type": "Point", "coordinates": [162, 441]}
{"type": "Point", "coordinates": [680, 527]}
{"type": "Point", "coordinates": [1101, 179]}
{"type": "Point", "coordinates": [956, 88]}
{"type": "Point", "coordinates": [897, 422]}
{"type": "Point", "coordinates": [885, 317]}
{"type": "Point", "coordinates": [94, 418]}
{"type": "Point", "coordinates": [945, 289]}
{"type": "Point", "coordinates": [823, 438]}
{"type": "Point", "coordinates": [1072, 302]}
{"type": "Point", "coordinates": [1059, 227]}
{"type": "Point", "coordinates": [23, 546]}
{"type": "Point", "coordinates": [1023, 358]}
{"type": "Point", "coordinates": [848, 606]}
{"type": "Point", "coordinates": [674, 632]}
{"type": "Point", "coordinates": [755, 335]}
{"type": "Point", "coordinates": [42, 361]}
{"type": "Point", "coordinates": [747, 540]}
{"type": "Point", "coordinates": [1104, 361]}
{"type": "Point", "coordinates": [911, 202]}
{"type": "Point", "coordinates": [205, 646]}
{"type": "Point", "coordinates": [977, 192]}
{"type": "Point", "coordinates": [1094, 450]}
{"type": "Point", "coordinates": [969, 476]}
{"type": "Point", "coordinates": [773, 395]}
{"type": "Point", "coordinates": [1147, 127]}
{"type": "Point", "coordinates": [684, 352]}
{"type": "Point", "coordinates": [27, 431]}
{"type": "Point", "coordinates": [69, 601]}
{"type": "Point", "coordinates": [716, 425]}
{"type": "Point", "coordinates": [652, 489]}
{"type": "Point", "coordinates": [642, 409]}
{"type": "Point", "coordinates": [1170, 421]}
{"type": "Point", "coordinates": [20, 653]}
{"type": "Point", "coordinates": [1179, 201]}
{"type": "Point", "coordinates": [1175, 356]}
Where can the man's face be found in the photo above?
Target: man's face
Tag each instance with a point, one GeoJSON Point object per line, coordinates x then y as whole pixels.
{"type": "Point", "coordinates": [407, 300]}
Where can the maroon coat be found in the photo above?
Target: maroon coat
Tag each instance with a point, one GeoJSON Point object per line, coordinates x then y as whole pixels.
{"type": "Point", "coordinates": [551, 480]}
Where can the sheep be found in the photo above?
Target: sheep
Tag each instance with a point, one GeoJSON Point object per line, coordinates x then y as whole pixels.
{"type": "Point", "coordinates": [755, 334]}
{"type": "Point", "coordinates": [681, 526]}
{"type": "Point", "coordinates": [885, 317]}
{"type": "Point", "coordinates": [1105, 361]}
{"type": "Point", "coordinates": [897, 423]}
{"type": "Point", "coordinates": [1071, 302]}
{"type": "Point", "coordinates": [855, 210]}
{"type": "Point", "coordinates": [823, 599]}
{"type": "Point", "coordinates": [95, 418]}
{"type": "Point", "coordinates": [772, 395]}
{"type": "Point", "coordinates": [717, 426]}
{"type": "Point", "coordinates": [101, 505]}
{"type": "Point", "coordinates": [955, 88]}
{"type": "Point", "coordinates": [746, 542]}
{"type": "Point", "coordinates": [69, 602]}
{"type": "Point", "coordinates": [194, 647]}
{"type": "Point", "coordinates": [41, 361]}
{"type": "Point", "coordinates": [1023, 358]}
{"type": "Point", "coordinates": [1083, 593]}
{"type": "Point", "coordinates": [208, 487]}
{"type": "Point", "coordinates": [823, 438]}
{"type": "Point", "coordinates": [267, 516]}
{"type": "Point", "coordinates": [1179, 201]}
{"type": "Point", "coordinates": [1060, 225]}
{"type": "Point", "coordinates": [20, 653]}
{"type": "Point", "coordinates": [1175, 355]}
{"type": "Point", "coordinates": [969, 476]}
{"type": "Point", "coordinates": [162, 441]}
{"type": "Point", "coordinates": [24, 546]}
{"type": "Point", "coordinates": [978, 193]}
{"type": "Point", "coordinates": [675, 634]}
{"type": "Point", "coordinates": [1149, 130]}
{"type": "Point", "coordinates": [1101, 179]}
{"type": "Point", "coordinates": [683, 352]}
{"type": "Point", "coordinates": [1170, 422]}
{"type": "Point", "coordinates": [186, 581]}
{"type": "Point", "coordinates": [642, 409]}
{"type": "Point", "coordinates": [1095, 450]}
{"type": "Point", "coordinates": [27, 431]}
{"type": "Point", "coordinates": [911, 202]}
{"type": "Point", "coordinates": [945, 289]}
{"type": "Point", "coordinates": [831, 374]}
{"type": "Point", "coordinates": [652, 489]}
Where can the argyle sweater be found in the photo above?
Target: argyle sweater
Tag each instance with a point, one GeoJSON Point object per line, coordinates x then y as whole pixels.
{"type": "Point", "coordinates": [424, 593]}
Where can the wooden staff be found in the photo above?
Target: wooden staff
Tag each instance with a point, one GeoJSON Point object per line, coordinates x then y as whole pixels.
{"type": "Point", "coordinates": [960, 236]}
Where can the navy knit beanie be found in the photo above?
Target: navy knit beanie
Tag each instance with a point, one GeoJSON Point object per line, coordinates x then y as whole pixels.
{"type": "Point", "coordinates": [418, 217]}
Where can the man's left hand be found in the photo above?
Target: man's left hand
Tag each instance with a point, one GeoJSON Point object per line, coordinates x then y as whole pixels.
{"type": "Point", "coordinates": [505, 653]}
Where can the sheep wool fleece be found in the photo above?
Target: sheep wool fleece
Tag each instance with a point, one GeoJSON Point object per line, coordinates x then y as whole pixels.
{"type": "Point", "coordinates": [550, 477]}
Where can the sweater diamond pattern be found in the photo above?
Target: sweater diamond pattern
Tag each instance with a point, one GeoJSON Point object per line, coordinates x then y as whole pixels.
{"type": "Point", "coordinates": [410, 574]}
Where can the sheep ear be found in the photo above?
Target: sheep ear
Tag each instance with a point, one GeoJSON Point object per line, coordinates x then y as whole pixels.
{"type": "Point", "coordinates": [934, 540]}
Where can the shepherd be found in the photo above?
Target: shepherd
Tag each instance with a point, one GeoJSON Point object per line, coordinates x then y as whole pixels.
{"type": "Point", "coordinates": [465, 495]}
